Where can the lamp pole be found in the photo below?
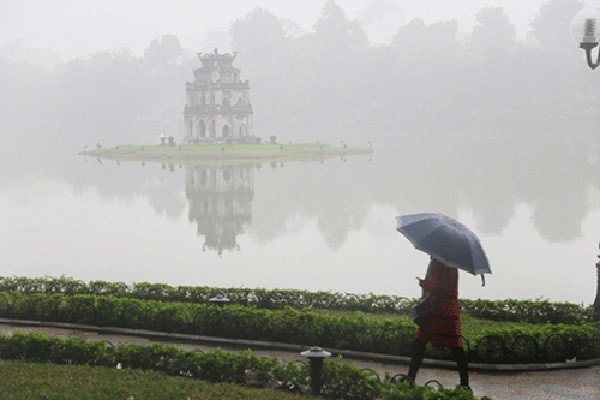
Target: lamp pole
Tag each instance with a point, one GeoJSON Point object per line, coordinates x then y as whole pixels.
{"type": "Point", "coordinates": [596, 313]}
{"type": "Point", "coordinates": [588, 47]}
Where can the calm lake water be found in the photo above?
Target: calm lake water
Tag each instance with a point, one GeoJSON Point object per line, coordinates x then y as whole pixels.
{"type": "Point", "coordinates": [534, 200]}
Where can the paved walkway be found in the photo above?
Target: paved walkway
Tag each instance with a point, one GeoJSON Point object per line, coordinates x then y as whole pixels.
{"type": "Point", "coordinates": [573, 382]}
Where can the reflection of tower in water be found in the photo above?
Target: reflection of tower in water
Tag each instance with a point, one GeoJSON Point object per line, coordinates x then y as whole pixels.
{"type": "Point", "coordinates": [220, 200]}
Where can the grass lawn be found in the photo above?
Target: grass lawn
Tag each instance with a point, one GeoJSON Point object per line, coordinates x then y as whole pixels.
{"type": "Point", "coordinates": [298, 151]}
{"type": "Point", "coordinates": [26, 380]}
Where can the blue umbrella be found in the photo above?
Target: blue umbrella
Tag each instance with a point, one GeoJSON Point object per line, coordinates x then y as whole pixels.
{"type": "Point", "coordinates": [445, 239]}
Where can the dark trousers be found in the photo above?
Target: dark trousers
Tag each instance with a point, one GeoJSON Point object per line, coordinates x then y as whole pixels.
{"type": "Point", "coordinates": [457, 352]}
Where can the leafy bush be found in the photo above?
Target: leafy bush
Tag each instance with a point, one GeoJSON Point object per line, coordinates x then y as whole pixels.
{"type": "Point", "coordinates": [339, 381]}
{"type": "Point", "coordinates": [234, 321]}
{"type": "Point", "coordinates": [262, 298]}
{"type": "Point", "coordinates": [543, 342]}
{"type": "Point", "coordinates": [533, 311]}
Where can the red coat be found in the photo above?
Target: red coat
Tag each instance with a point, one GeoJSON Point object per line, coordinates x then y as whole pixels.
{"type": "Point", "coordinates": [443, 327]}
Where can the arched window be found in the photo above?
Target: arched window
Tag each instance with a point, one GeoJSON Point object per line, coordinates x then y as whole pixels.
{"type": "Point", "coordinates": [225, 132]}
{"type": "Point", "coordinates": [225, 102]}
{"type": "Point", "coordinates": [212, 128]}
{"type": "Point", "coordinates": [201, 128]}
{"type": "Point", "coordinates": [243, 130]}
{"type": "Point", "coordinates": [190, 128]}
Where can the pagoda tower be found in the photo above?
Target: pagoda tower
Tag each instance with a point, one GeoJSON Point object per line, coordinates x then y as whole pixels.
{"type": "Point", "coordinates": [218, 107]}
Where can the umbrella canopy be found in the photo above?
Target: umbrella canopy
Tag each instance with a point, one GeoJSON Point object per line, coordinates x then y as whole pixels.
{"type": "Point", "coordinates": [445, 239]}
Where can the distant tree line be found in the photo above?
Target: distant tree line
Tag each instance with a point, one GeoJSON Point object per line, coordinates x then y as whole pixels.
{"type": "Point", "coordinates": [111, 97]}
{"type": "Point", "coordinates": [332, 80]}
{"type": "Point", "coordinates": [317, 85]}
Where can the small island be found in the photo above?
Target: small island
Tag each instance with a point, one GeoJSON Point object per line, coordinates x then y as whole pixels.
{"type": "Point", "coordinates": [238, 152]}
{"type": "Point", "coordinates": [218, 121]}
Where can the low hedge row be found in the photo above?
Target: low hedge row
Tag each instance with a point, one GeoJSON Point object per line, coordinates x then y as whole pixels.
{"type": "Point", "coordinates": [339, 380]}
{"type": "Point", "coordinates": [549, 342]}
{"type": "Point", "coordinates": [233, 321]}
{"type": "Point", "coordinates": [261, 298]}
{"type": "Point", "coordinates": [533, 311]}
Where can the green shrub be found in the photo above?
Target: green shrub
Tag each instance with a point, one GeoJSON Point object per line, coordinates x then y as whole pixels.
{"type": "Point", "coordinates": [533, 311]}
{"type": "Point", "coordinates": [339, 380]}
{"type": "Point", "coordinates": [262, 298]}
{"type": "Point", "coordinates": [535, 343]}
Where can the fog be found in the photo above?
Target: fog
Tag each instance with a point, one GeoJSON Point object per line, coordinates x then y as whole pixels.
{"type": "Point", "coordinates": [77, 28]}
{"type": "Point", "coordinates": [84, 71]}
{"type": "Point", "coordinates": [487, 107]}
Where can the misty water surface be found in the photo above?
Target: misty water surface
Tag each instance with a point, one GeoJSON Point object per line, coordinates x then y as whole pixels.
{"type": "Point", "coordinates": [532, 195]}
{"type": "Point", "coordinates": [485, 111]}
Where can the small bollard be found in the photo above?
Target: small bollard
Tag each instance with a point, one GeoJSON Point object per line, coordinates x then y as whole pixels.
{"type": "Point", "coordinates": [219, 300]}
{"type": "Point", "coordinates": [316, 355]}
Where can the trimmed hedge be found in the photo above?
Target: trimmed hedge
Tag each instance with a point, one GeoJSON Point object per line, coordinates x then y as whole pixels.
{"type": "Point", "coordinates": [541, 343]}
{"type": "Point", "coordinates": [532, 311]}
{"type": "Point", "coordinates": [234, 321]}
{"type": "Point", "coordinates": [339, 380]}
{"type": "Point", "coordinates": [262, 298]}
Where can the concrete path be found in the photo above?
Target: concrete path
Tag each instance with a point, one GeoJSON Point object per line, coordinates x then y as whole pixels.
{"type": "Point", "coordinates": [549, 384]}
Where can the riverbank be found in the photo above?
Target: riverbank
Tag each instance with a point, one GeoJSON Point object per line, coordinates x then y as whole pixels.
{"type": "Point", "coordinates": [219, 152]}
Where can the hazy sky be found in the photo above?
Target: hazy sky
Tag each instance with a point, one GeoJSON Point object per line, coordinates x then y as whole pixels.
{"type": "Point", "coordinates": [76, 28]}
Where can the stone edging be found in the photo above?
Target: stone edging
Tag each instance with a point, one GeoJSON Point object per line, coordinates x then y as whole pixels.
{"type": "Point", "coordinates": [293, 348]}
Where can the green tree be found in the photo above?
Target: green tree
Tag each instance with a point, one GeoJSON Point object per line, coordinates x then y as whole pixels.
{"type": "Point", "coordinates": [334, 30]}
{"type": "Point", "coordinates": [264, 44]}
{"type": "Point", "coordinates": [102, 96]}
{"type": "Point", "coordinates": [425, 69]}
{"type": "Point", "coordinates": [163, 51]}
{"type": "Point", "coordinates": [493, 35]}
{"type": "Point", "coordinates": [559, 57]}
{"type": "Point", "coordinates": [552, 24]}
{"type": "Point", "coordinates": [260, 36]}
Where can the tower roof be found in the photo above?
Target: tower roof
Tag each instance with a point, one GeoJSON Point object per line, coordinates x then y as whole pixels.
{"type": "Point", "coordinates": [215, 56]}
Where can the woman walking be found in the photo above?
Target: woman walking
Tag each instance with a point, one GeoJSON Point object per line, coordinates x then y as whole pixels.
{"type": "Point", "coordinates": [444, 239]}
{"type": "Point", "coordinates": [442, 329]}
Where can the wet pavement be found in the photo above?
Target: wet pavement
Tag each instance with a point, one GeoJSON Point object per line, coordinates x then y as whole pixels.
{"type": "Point", "coordinates": [555, 384]}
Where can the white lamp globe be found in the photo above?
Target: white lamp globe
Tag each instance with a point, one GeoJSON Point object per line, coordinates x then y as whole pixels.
{"type": "Point", "coordinates": [585, 25]}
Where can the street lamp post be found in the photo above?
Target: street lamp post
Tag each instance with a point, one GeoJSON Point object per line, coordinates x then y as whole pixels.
{"type": "Point", "coordinates": [585, 28]}
{"type": "Point", "coordinates": [596, 314]}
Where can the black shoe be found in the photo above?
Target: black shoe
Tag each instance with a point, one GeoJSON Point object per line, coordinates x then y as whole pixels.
{"type": "Point", "coordinates": [465, 388]}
